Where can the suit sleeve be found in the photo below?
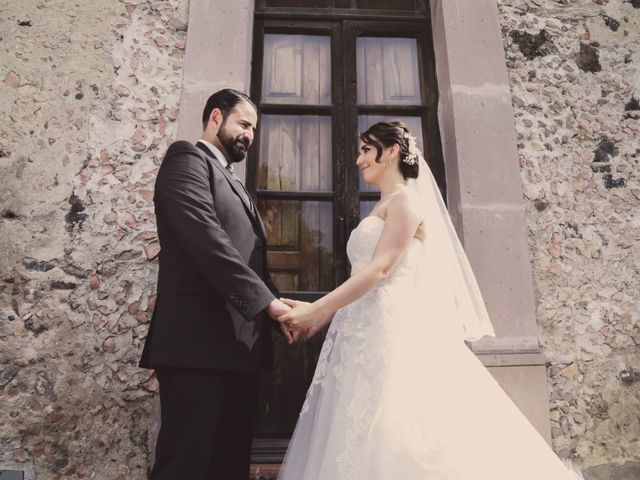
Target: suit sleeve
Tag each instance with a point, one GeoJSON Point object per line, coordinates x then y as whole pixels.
{"type": "Point", "coordinates": [276, 292]}
{"type": "Point", "coordinates": [183, 194]}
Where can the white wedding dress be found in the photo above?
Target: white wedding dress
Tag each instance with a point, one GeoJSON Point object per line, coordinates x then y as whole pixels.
{"type": "Point", "coordinates": [397, 395]}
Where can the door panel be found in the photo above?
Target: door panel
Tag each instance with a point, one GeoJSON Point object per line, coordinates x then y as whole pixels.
{"type": "Point", "coordinates": [300, 259]}
{"type": "Point", "coordinates": [317, 82]}
{"type": "Point", "coordinates": [295, 153]}
{"type": "Point", "coordinates": [297, 69]}
{"type": "Point", "coordinates": [387, 71]}
{"type": "Point", "coordinates": [300, 244]}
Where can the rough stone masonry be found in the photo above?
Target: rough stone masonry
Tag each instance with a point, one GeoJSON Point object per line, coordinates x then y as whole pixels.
{"type": "Point", "coordinates": [88, 101]}
{"type": "Point", "coordinates": [88, 106]}
{"type": "Point", "coordinates": [574, 71]}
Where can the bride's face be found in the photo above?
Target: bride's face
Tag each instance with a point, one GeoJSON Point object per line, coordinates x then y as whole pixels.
{"type": "Point", "coordinates": [372, 171]}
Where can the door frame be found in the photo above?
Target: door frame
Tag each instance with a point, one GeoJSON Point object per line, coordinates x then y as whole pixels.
{"type": "Point", "coordinates": [344, 31]}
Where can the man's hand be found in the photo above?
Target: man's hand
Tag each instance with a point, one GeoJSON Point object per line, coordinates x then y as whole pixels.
{"type": "Point", "coordinates": [292, 334]}
{"type": "Point", "coordinates": [277, 308]}
{"type": "Point", "coordinates": [305, 318]}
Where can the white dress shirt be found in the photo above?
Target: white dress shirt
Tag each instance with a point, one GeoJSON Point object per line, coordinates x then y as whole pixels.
{"type": "Point", "coordinates": [216, 153]}
{"type": "Point", "coordinates": [223, 161]}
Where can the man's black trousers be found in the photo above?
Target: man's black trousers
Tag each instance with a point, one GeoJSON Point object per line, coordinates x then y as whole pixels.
{"type": "Point", "coordinates": [207, 419]}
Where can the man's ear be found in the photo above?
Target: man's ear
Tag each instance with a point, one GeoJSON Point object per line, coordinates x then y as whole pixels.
{"type": "Point", "coordinates": [216, 117]}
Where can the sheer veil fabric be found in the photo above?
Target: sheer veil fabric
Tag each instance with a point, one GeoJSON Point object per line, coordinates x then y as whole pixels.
{"type": "Point", "coordinates": [457, 289]}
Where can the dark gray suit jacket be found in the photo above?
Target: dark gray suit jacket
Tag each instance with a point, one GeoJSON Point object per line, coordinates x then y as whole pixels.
{"type": "Point", "coordinates": [213, 283]}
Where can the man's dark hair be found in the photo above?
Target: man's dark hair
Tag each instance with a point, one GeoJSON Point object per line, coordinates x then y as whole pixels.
{"type": "Point", "coordinates": [225, 100]}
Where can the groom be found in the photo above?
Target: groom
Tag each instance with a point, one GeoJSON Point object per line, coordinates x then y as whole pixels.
{"type": "Point", "coordinates": [210, 332]}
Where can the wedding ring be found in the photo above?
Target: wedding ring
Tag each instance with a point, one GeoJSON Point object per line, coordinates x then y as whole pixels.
{"type": "Point", "coordinates": [289, 324]}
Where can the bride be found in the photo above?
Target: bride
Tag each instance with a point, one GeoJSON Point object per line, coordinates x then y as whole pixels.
{"type": "Point", "coordinates": [396, 394]}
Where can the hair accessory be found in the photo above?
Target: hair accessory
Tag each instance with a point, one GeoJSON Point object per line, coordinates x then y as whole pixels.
{"type": "Point", "coordinates": [414, 153]}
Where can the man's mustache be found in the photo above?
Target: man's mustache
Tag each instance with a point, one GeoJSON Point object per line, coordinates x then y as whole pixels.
{"type": "Point", "coordinates": [244, 141]}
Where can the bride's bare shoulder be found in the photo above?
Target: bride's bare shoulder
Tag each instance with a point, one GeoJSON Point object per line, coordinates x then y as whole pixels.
{"type": "Point", "coordinates": [405, 202]}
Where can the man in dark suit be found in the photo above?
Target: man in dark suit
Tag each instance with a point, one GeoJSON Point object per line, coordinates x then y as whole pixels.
{"type": "Point", "coordinates": [210, 332]}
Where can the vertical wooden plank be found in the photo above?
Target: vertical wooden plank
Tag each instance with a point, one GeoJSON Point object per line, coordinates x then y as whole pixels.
{"type": "Point", "coordinates": [349, 198]}
{"type": "Point", "coordinates": [285, 281]}
{"type": "Point", "coordinates": [274, 145]}
{"type": "Point", "coordinates": [325, 71]}
{"type": "Point", "coordinates": [284, 153]}
{"type": "Point", "coordinates": [400, 56]}
{"type": "Point", "coordinates": [295, 153]}
{"type": "Point", "coordinates": [309, 246]}
{"type": "Point", "coordinates": [282, 80]}
{"type": "Point", "coordinates": [387, 71]}
{"type": "Point", "coordinates": [309, 143]}
{"type": "Point", "coordinates": [315, 158]}
{"type": "Point", "coordinates": [290, 225]}
{"type": "Point", "coordinates": [375, 72]}
{"type": "Point", "coordinates": [361, 70]}
{"type": "Point", "coordinates": [275, 238]}
{"type": "Point", "coordinates": [253, 165]}
{"type": "Point", "coordinates": [325, 248]}
{"type": "Point", "coordinates": [394, 67]}
{"type": "Point", "coordinates": [263, 147]}
{"type": "Point", "coordinates": [341, 87]}
{"type": "Point", "coordinates": [297, 69]}
{"type": "Point", "coordinates": [285, 69]}
{"type": "Point", "coordinates": [325, 161]}
{"type": "Point", "coordinates": [310, 59]}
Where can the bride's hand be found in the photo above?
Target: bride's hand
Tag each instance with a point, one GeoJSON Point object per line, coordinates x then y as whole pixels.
{"type": "Point", "coordinates": [315, 328]}
{"type": "Point", "coordinates": [304, 316]}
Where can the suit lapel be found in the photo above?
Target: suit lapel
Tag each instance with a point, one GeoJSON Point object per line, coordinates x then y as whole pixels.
{"type": "Point", "coordinates": [249, 208]}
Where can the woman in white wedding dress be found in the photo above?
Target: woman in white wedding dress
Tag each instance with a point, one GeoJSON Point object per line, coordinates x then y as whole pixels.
{"type": "Point", "coordinates": [396, 394]}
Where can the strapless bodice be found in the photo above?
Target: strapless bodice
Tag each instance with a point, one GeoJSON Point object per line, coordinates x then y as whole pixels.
{"type": "Point", "coordinates": [362, 243]}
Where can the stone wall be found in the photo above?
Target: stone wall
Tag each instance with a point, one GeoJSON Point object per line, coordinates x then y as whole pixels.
{"type": "Point", "coordinates": [574, 70]}
{"type": "Point", "coordinates": [88, 103]}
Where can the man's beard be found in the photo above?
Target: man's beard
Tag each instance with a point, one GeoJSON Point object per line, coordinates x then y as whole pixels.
{"type": "Point", "coordinates": [236, 147]}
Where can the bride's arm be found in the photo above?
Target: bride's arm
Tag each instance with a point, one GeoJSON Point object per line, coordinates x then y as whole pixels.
{"type": "Point", "coordinates": [399, 229]}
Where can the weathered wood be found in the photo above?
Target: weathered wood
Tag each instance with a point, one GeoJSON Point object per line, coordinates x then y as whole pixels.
{"type": "Point", "coordinates": [281, 260]}
{"type": "Point", "coordinates": [295, 153]}
{"type": "Point", "coordinates": [297, 3]}
{"type": "Point", "coordinates": [300, 238]}
{"type": "Point", "coordinates": [297, 69]}
{"type": "Point", "coordinates": [302, 168]}
{"type": "Point", "coordinates": [293, 195]}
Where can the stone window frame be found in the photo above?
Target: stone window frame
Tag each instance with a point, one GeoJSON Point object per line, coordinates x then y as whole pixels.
{"type": "Point", "coordinates": [485, 194]}
{"type": "Point", "coordinates": [484, 185]}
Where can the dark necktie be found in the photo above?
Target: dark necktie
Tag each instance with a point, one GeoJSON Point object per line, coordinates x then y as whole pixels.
{"type": "Point", "coordinates": [243, 191]}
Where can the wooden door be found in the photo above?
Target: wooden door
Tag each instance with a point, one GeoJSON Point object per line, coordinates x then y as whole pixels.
{"type": "Point", "coordinates": [317, 84]}
{"type": "Point", "coordinates": [294, 179]}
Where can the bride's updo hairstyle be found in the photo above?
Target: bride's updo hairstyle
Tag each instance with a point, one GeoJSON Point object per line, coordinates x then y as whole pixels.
{"type": "Point", "coordinates": [385, 134]}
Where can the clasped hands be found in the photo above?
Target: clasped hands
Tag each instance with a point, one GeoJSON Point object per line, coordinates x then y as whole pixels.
{"type": "Point", "coordinates": [298, 320]}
